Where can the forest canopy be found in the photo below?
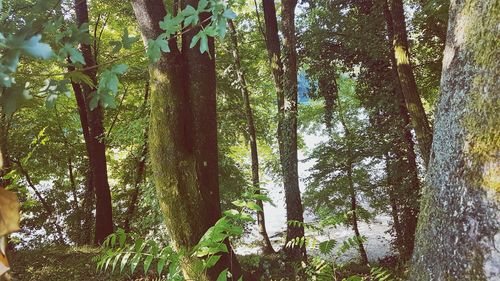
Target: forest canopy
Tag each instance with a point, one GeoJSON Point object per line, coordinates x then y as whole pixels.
{"type": "Point", "coordinates": [249, 140]}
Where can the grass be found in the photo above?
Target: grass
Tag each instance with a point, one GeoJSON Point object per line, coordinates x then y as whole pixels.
{"type": "Point", "coordinates": [59, 264]}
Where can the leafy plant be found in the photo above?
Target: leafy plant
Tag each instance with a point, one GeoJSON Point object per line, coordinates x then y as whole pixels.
{"type": "Point", "coordinates": [122, 250]}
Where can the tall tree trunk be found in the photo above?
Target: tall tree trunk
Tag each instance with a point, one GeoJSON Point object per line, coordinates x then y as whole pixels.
{"type": "Point", "coordinates": [352, 190]}
{"type": "Point", "coordinates": [354, 216]}
{"type": "Point", "coordinates": [285, 76]}
{"type": "Point", "coordinates": [267, 248]}
{"type": "Point", "coordinates": [396, 27]}
{"type": "Point", "coordinates": [89, 194]}
{"type": "Point", "coordinates": [459, 226]}
{"type": "Point", "coordinates": [183, 139]}
{"type": "Point", "coordinates": [141, 167]}
{"type": "Point", "coordinates": [410, 208]}
{"type": "Point", "coordinates": [97, 154]}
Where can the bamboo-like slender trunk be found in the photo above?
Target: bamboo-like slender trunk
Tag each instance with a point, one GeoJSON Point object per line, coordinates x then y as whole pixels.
{"type": "Point", "coordinates": [267, 248]}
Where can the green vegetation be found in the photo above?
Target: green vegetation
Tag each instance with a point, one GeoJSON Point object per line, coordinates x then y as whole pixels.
{"type": "Point", "coordinates": [238, 140]}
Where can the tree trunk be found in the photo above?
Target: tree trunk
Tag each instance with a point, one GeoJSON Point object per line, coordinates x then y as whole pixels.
{"type": "Point", "coordinates": [183, 139]}
{"type": "Point", "coordinates": [411, 193]}
{"type": "Point", "coordinates": [267, 248]}
{"type": "Point", "coordinates": [459, 227]}
{"type": "Point", "coordinates": [141, 167]}
{"type": "Point", "coordinates": [354, 216]}
{"type": "Point", "coordinates": [285, 76]}
{"type": "Point", "coordinates": [89, 197]}
{"type": "Point", "coordinates": [396, 27]}
{"type": "Point", "coordinates": [97, 153]}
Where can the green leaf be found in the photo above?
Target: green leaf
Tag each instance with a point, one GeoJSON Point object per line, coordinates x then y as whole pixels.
{"type": "Point", "coordinates": [211, 261]}
{"type": "Point", "coordinates": [128, 41]}
{"type": "Point", "coordinates": [94, 101]}
{"type": "Point", "coordinates": [116, 46]}
{"type": "Point", "coordinates": [194, 40]}
{"type": "Point", "coordinates": [134, 262]}
{"type": "Point", "coordinates": [253, 206]}
{"type": "Point", "coordinates": [80, 77]}
{"type": "Point", "coordinates": [161, 264]}
{"type": "Point", "coordinates": [13, 98]}
{"type": "Point", "coordinates": [155, 47]}
{"type": "Point", "coordinates": [147, 263]}
{"type": "Point", "coordinates": [119, 68]}
{"type": "Point", "coordinates": [36, 49]}
{"type": "Point", "coordinates": [115, 262]}
{"type": "Point", "coordinates": [74, 55]}
{"type": "Point", "coordinates": [202, 4]}
{"type": "Point", "coordinates": [223, 275]}
{"type": "Point", "coordinates": [171, 25]}
{"type": "Point", "coordinates": [124, 260]}
{"type": "Point", "coordinates": [326, 247]}
{"type": "Point", "coordinates": [188, 11]}
{"type": "Point", "coordinates": [229, 14]}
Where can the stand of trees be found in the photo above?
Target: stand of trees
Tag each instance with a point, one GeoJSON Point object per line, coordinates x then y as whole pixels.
{"type": "Point", "coordinates": [159, 153]}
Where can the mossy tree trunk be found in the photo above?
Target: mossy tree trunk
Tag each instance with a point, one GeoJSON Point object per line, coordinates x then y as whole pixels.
{"type": "Point", "coordinates": [396, 26]}
{"type": "Point", "coordinates": [267, 248]}
{"type": "Point", "coordinates": [183, 139]}
{"type": "Point", "coordinates": [458, 233]}
{"type": "Point", "coordinates": [284, 68]}
{"type": "Point", "coordinates": [97, 147]}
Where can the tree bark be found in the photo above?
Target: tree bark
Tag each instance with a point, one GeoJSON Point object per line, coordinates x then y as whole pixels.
{"type": "Point", "coordinates": [459, 226]}
{"type": "Point", "coordinates": [183, 139]}
{"type": "Point", "coordinates": [267, 248]}
{"type": "Point", "coordinates": [285, 76]}
{"type": "Point", "coordinates": [89, 197]}
{"type": "Point", "coordinates": [396, 27]}
{"type": "Point", "coordinates": [410, 204]}
{"type": "Point", "coordinates": [97, 152]}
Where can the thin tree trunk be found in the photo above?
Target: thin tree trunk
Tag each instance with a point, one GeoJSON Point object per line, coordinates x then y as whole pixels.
{"type": "Point", "coordinates": [459, 224]}
{"type": "Point", "coordinates": [396, 27]}
{"type": "Point", "coordinates": [49, 210]}
{"type": "Point", "coordinates": [104, 212]}
{"type": "Point", "coordinates": [267, 248]}
{"type": "Point", "coordinates": [141, 167]}
{"type": "Point", "coordinates": [183, 140]}
{"type": "Point", "coordinates": [285, 76]}
{"type": "Point", "coordinates": [354, 216]}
